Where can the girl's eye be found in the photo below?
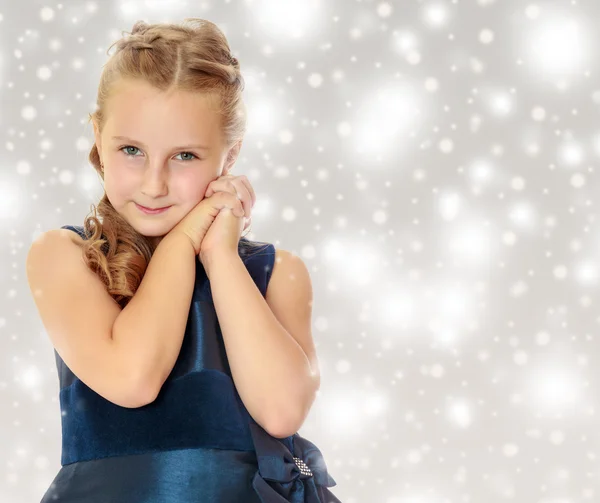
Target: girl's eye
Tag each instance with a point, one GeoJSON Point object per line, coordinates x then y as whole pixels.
{"type": "Point", "coordinates": [189, 153]}
{"type": "Point", "coordinates": [126, 153]}
{"type": "Point", "coordinates": [135, 148]}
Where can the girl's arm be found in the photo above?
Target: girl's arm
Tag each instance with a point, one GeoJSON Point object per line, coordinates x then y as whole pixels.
{"type": "Point", "coordinates": [152, 325]}
{"type": "Point", "coordinates": [271, 371]}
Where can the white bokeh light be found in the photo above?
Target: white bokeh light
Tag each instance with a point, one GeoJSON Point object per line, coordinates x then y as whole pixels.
{"type": "Point", "coordinates": [468, 243]}
{"type": "Point", "coordinates": [30, 377]}
{"type": "Point", "coordinates": [435, 15]}
{"type": "Point", "coordinates": [586, 272]}
{"type": "Point", "coordinates": [11, 200]}
{"type": "Point", "coordinates": [405, 41]}
{"type": "Point", "coordinates": [263, 116]}
{"type": "Point", "coordinates": [554, 387]}
{"type": "Point", "coordinates": [460, 413]}
{"type": "Point", "coordinates": [571, 153]}
{"type": "Point", "coordinates": [557, 44]}
{"type": "Point", "coordinates": [481, 171]}
{"type": "Point", "coordinates": [383, 119]}
{"type": "Point", "coordinates": [500, 103]}
{"type": "Point", "coordinates": [357, 257]}
{"type": "Point", "coordinates": [522, 214]}
{"type": "Point", "coordinates": [284, 20]}
{"type": "Point", "coordinates": [395, 308]}
{"type": "Point", "coordinates": [449, 205]}
{"type": "Point", "coordinates": [453, 303]}
{"type": "Point", "coordinates": [342, 413]}
{"type": "Point", "coordinates": [132, 10]}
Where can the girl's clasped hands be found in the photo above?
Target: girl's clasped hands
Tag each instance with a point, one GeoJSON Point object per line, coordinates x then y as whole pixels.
{"type": "Point", "coordinates": [215, 224]}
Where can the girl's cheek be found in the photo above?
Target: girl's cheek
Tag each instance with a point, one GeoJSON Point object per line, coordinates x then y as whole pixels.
{"type": "Point", "coordinates": [194, 187]}
{"type": "Point", "coordinates": [123, 188]}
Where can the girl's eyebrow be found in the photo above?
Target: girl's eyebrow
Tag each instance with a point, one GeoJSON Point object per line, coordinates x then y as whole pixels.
{"type": "Point", "coordinates": [125, 138]}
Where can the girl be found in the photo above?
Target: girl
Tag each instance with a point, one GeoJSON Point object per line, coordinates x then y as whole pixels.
{"type": "Point", "coordinates": [185, 358]}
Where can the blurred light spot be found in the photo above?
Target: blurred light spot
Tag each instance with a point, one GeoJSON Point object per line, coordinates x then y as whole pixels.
{"type": "Point", "coordinates": [459, 413]}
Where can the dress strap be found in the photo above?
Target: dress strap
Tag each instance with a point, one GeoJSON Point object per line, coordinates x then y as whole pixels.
{"type": "Point", "coordinates": [75, 228]}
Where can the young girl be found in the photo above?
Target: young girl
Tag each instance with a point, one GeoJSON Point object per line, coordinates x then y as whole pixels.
{"type": "Point", "coordinates": [184, 354]}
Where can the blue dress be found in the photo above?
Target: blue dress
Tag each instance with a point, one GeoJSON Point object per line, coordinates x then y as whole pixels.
{"type": "Point", "coordinates": [195, 443]}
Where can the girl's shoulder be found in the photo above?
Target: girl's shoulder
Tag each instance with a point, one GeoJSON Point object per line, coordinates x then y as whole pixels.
{"type": "Point", "coordinates": [74, 234]}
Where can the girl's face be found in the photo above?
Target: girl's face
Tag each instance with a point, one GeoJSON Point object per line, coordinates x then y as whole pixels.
{"type": "Point", "coordinates": [159, 150]}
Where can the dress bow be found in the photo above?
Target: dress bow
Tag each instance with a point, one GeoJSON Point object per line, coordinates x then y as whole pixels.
{"type": "Point", "coordinates": [281, 477]}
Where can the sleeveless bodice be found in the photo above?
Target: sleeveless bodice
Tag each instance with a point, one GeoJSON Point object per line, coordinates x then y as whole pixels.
{"type": "Point", "coordinates": [196, 442]}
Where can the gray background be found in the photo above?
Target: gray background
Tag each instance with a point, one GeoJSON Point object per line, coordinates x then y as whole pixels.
{"type": "Point", "coordinates": [432, 162]}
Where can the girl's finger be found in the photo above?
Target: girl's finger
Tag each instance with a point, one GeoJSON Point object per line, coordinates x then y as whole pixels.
{"type": "Point", "coordinates": [246, 225]}
{"type": "Point", "coordinates": [224, 180]}
{"type": "Point", "coordinates": [244, 195]}
{"type": "Point", "coordinates": [219, 185]}
{"type": "Point", "coordinates": [248, 186]}
{"type": "Point", "coordinates": [237, 185]}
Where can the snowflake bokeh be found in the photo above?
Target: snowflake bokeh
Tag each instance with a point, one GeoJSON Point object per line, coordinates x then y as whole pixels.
{"type": "Point", "coordinates": [431, 161]}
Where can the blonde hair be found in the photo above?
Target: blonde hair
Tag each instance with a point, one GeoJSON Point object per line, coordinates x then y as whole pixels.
{"type": "Point", "coordinates": [191, 56]}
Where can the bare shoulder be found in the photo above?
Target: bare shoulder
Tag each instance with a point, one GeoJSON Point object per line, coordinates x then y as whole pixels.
{"type": "Point", "coordinates": [59, 239]}
{"type": "Point", "coordinates": [70, 235]}
{"type": "Point", "coordinates": [285, 255]}
{"type": "Point", "coordinates": [55, 247]}
{"type": "Point", "coordinates": [290, 279]}
{"type": "Point", "coordinates": [287, 268]}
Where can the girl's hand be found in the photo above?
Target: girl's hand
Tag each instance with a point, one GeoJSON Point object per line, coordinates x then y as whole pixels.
{"type": "Point", "coordinates": [238, 186]}
{"type": "Point", "coordinates": [199, 219]}
{"type": "Point", "coordinates": [223, 236]}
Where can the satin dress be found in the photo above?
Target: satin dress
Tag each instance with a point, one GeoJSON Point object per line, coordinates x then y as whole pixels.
{"type": "Point", "coordinates": [195, 443]}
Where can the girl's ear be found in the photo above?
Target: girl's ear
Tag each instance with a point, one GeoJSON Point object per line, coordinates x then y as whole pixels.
{"type": "Point", "coordinates": [232, 156]}
{"type": "Point", "coordinates": [97, 139]}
